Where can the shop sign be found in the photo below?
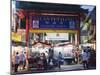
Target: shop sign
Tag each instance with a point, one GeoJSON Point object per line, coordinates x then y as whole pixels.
{"type": "Point", "coordinates": [16, 37]}
{"type": "Point", "coordinates": [57, 36]}
{"type": "Point", "coordinates": [54, 22]}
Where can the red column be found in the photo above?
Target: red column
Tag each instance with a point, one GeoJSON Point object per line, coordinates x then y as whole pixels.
{"type": "Point", "coordinates": [27, 36]}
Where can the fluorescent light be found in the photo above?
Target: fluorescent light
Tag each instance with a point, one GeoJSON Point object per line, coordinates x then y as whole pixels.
{"type": "Point", "coordinates": [89, 7]}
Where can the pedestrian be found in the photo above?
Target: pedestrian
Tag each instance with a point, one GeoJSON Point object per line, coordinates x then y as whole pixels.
{"type": "Point", "coordinates": [44, 61]}
{"type": "Point", "coordinates": [47, 58]}
{"type": "Point", "coordinates": [59, 59]}
{"type": "Point", "coordinates": [73, 56]}
{"type": "Point", "coordinates": [85, 59]}
{"type": "Point", "coordinates": [23, 60]}
{"type": "Point", "coordinates": [51, 64]}
{"type": "Point", "coordinates": [17, 60]}
{"type": "Point", "coordinates": [40, 62]}
{"type": "Point", "coordinates": [50, 55]}
{"type": "Point", "coordinates": [77, 56]}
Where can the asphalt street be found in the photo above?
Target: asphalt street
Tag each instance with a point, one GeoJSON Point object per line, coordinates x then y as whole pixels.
{"type": "Point", "coordinates": [63, 68]}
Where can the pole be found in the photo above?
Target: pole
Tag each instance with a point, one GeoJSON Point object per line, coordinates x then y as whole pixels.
{"type": "Point", "coordinates": [27, 40]}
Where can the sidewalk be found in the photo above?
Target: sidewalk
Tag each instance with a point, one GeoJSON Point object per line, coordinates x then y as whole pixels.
{"type": "Point", "coordinates": [76, 67]}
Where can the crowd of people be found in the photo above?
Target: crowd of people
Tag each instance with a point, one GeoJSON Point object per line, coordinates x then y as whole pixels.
{"type": "Point", "coordinates": [43, 60]}
{"type": "Point", "coordinates": [46, 60]}
{"type": "Point", "coordinates": [20, 61]}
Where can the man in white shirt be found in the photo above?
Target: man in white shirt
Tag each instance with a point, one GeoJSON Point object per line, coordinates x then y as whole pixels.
{"type": "Point", "coordinates": [85, 59]}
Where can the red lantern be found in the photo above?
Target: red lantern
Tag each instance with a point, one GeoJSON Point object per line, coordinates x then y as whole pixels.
{"type": "Point", "coordinates": [20, 14]}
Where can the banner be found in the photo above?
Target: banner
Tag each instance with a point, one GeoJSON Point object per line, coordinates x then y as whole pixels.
{"type": "Point", "coordinates": [54, 22]}
{"type": "Point", "coordinates": [16, 37]}
{"type": "Point", "coordinates": [57, 36]}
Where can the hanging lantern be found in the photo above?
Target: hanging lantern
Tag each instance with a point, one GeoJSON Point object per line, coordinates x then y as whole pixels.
{"type": "Point", "coordinates": [20, 13]}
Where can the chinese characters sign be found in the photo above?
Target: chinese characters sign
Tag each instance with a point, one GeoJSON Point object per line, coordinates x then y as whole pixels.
{"type": "Point", "coordinates": [54, 22]}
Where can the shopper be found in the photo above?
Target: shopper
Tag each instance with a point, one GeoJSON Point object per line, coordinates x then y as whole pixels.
{"type": "Point", "coordinates": [51, 64]}
{"type": "Point", "coordinates": [23, 60]}
{"type": "Point", "coordinates": [17, 60]}
{"type": "Point", "coordinates": [40, 62]}
{"type": "Point", "coordinates": [73, 56]}
{"type": "Point", "coordinates": [85, 59]}
{"type": "Point", "coordinates": [59, 59]}
{"type": "Point", "coordinates": [44, 61]}
{"type": "Point", "coordinates": [50, 54]}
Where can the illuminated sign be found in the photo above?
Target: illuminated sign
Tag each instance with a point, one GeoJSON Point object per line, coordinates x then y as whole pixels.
{"type": "Point", "coordinates": [57, 36]}
{"type": "Point", "coordinates": [16, 37]}
{"type": "Point", "coordinates": [54, 22]}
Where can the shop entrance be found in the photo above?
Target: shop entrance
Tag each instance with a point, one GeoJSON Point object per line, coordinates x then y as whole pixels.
{"type": "Point", "coordinates": [63, 41]}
